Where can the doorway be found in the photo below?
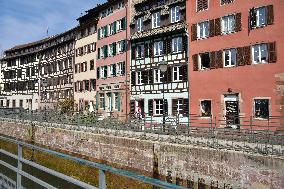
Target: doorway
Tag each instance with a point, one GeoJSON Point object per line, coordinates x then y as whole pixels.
{"type": "Point", "coordinates": [231, 102]}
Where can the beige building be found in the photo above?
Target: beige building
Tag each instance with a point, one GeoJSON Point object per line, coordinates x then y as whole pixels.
{"type": "Point", "coordinates": [85, 64]}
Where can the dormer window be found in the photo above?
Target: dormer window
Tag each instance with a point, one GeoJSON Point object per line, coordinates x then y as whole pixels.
{"type": "Point", "coordinates": [156, 20]}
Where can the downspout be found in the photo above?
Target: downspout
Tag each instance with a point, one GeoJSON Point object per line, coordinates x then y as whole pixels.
{"type": "Point", "coordinates": [188, 72]}
{"type": "Point", "coordinates": [126, 62]}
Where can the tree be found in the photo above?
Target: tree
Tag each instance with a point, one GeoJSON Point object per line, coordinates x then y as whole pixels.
{"type": "Point", "coordinates": [66, 106]}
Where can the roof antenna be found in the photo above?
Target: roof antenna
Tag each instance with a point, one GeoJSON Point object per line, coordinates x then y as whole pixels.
{"type": "Point", "coordinates": [47, 31]}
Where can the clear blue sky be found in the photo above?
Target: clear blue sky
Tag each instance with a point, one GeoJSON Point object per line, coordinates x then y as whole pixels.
{"type": "Point", "coordinates": [23, 21]}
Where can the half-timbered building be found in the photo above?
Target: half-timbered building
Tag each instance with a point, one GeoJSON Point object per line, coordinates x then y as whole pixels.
{"type": "Point", "coordinates": [158, 34]}
{"type": "Point", "coordinates": [19, 77]}
{"type": "Point", "coordinates": [56, 70]}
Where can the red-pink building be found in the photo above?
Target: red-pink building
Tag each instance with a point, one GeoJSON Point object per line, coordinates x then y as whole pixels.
{"type": "Point", "coordinates": [236, 60]}
{"type": "Point", "coordinates": [112, 59]}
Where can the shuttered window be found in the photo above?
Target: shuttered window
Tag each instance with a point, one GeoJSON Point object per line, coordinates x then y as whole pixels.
{"type": "Point", "coordinates": [202, 5]}
{"type": "Point", "coordinates": [261, 16]}
{"type": "Point", "coordinates": [260, 53]}
{"type": "Point", "coordinates": [223, 2]}
{"type": "Point", "coordinates": [230, 57]}
{"type": "Point", "coordinates": [228, 24]}
{"type": "Point", "coordinates": [203, 30]}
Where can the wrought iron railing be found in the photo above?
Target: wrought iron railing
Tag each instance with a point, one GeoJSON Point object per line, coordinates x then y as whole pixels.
{"type": "Point", "coordinates": [249, 134]}
{"type": "Point", "coordinates": [101, 167]}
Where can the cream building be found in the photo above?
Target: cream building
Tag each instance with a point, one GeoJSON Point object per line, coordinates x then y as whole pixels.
{"type": "Point", "coordinates": [85, 64]}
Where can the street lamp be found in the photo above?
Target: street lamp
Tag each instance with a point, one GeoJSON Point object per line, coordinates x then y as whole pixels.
{"type": "Point", "coordinates": [163, 66]}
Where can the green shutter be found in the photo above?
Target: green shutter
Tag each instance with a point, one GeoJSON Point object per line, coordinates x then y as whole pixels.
{"type": "Point", "coordinates": [118, 101]}
{"type": "Point", "coordinates": [123, 23]}
{"type": "Point", "coordinates": [104, 103]}
{"type": "Point", "coordinates": [114, 49]}
{"type": "Point", "coordinates": [105, 51]}
{"type": "Point", "coordinates": [114, 27]}
{"type": "Point", "coordinates": [99, 53]}
{"type": "Point", "coordinates": [99, 33]}
{"type": "Point", "coordinates": [123, 46]}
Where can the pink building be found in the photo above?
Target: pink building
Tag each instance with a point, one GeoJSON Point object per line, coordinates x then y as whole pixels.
{"type": "Point", "coordinates": [236, 63]}
{"type": "Point", "coordinates": [112, 96]}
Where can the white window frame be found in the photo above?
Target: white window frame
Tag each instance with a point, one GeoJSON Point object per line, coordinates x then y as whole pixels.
{"type": "Point", "coordinates": [139, 78]}
{"type": "Point", "coordinates": [110, 71]}
{"type": "Point", "coordinates": [177, 45]}
{"type": "Point", "coordinates": [200, 109]}
{"type": "Point", "coordinates": [158, 111]}
{"type": "Point", "coordinates": [102, 97]}
{"type": "Point", "coordinates": [158, 75]}
{"type": "Point", "coordinates": [232, 56]}
{"type": "Point", "coordinates": [115, 104]}
{"type": "Point", "coordinates": [119, 46]}
{"type": "Point", "coordinates": [259, 50]}
{"type": "Point", "coordinates": [119, 25]}
{"type": "Point", "coordinates": [176, 71]}
{"type": "Point", "coordinates": [228, 24]}
{"type": "Point", "coordinates": [201, 26]}
{"type": "Point", "coordinates": [180, 106]}
{"type": "Point", "coordinates": [156, 20]}
{"type": "Point", "coordinates": [257, 12]}
{"type": "Point", "coordinates": [119, 68]}
{"type": "Point", "coordinates": [140, 24]}
{"type": "Point", "coordinates": [254, 109]}
{"type": "Point", "coordinates": [158, 48]}
{"type": "Point", "coordinates": [138, 49]}
{"type": "Point", "coordinates": [175, 14]}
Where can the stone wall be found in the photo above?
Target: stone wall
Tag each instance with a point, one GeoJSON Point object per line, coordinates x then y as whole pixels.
{"type": "Point", "coordinates": [176, 162]}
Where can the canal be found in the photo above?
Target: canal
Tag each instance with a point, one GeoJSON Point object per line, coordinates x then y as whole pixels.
{"type": "Point", "coordinates": [81, 172]}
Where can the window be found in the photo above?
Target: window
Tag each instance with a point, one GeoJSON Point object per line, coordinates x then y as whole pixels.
{"type": "Point", "coordinates": [1, 103]}
{"type": "Point", "coordinates": [158, 76]}
{"type": "Point", "coordinates": [14, 103]}
{"type": "Point", "coordinates": [158, 48]}
{"type": "Point", "coordinates": [260, 54]}
{"type": "Point", "coordinates": [175, 14]}
{"type": "Point", "coordinates": [223, 2]}
{"type": "Point", "coordinates": [159, 107]}
{"type": "Point", "coordinates": [261, 108]}
{"type": "Point", "coordinates": [140, 51]}
{"type": "Point", "coordinates": [177, 45]}
{"type": "Point", "coordinates": [156, 20]}
{"type": "Point", "coordinates": [121, 68]}
{"type": "Point", "coordinates": [180, 106]}
{"type": "Point", "coordinates": [110, 71]}
{"type": "Point", "coordinates": [203, 30]}
{"type": "Point", "coordinates": [120, 5]}
{"type": "Point", "coordinates": [102, 100]}
{"type": "Point", "coordinates": [92, 65]}
{"type": "Point", "coordinates": [103, 73]}
{"type": "Point", "coordinates": [204, 60]}
{"type": "Point", "coordinates": [202, 5]}
{"type": "Point", "coordinates": [205, 108]}
{"type": "Point", "coordinates": [230, 57]}
{"type": "Point", "coordinates": [139, 78]}
{"type": "Point", "coordinates": [116, 100]}
{"type": "Point", "coordinates": [228, 24]}
{"type": "Point", "coordinates": [8, 103]}
{"type": "Point", "coordinates": [177, 73]}
{"type": "Point", "coordinates": [21, 103]}
{"type": "Point", "coordinates": [140, 24]}
{"type": "Point", "coordinates": [260, 16]}
{"type": "Point", "coordinates": [121, 24]}
{"type": "Point", "coordinates": [121, 46]}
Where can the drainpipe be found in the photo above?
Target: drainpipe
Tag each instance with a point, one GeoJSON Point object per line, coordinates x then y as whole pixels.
{"type": "Point", "coordinates": [188, 72]}
{"type": "Point", "coordinates": [126, 61]}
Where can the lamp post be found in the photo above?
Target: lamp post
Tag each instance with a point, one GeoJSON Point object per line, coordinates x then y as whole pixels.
{"type": "Point", "coordinates": [163, 66]}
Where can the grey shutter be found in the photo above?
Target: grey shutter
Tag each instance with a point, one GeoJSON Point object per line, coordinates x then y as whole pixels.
{"type": "Point", "coordinates": [132, 106]}
{"type": "Point", "coordinates": [150, 75]}
{"type": "Point", "coordinates": [133, 79]}
{"type": "Point", "coordinates": [186, 107]}
{"type": "Point", "coordinates": [184, 72]}
{"type": "Point", "coordinates": [252, 18]}
{"type": "Point", "coordinates": [174, 106]}
{"type": "Point", "coordinates": [184, 43]}
{"type": "Point", "coordinates": [133, 53]}
{"type": "Point", "coordinates": [169, 74]}
{"type": "Point", "coordinates": [144, 77]}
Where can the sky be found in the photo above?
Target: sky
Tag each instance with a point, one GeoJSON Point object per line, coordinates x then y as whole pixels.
{"type": "Point", "coordinates": [23, 21]}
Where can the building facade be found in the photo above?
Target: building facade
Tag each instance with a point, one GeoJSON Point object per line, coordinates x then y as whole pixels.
{"type": "Point", "coordinates": [158, 34]}
{"type": "Point", "coordinates": [111, 85]}
{"type": "Point", "coordinates": [19, 77]}
{"type": "Point", "coordinates": [85, 63]}
{"type": "Point", "coordinates": [236, 64]}
{"type": "Point", "coordinates": [56, 70]}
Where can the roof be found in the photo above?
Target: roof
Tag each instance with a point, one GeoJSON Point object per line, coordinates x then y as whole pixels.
{"type": "Point", "coordinates": [96, 10]}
